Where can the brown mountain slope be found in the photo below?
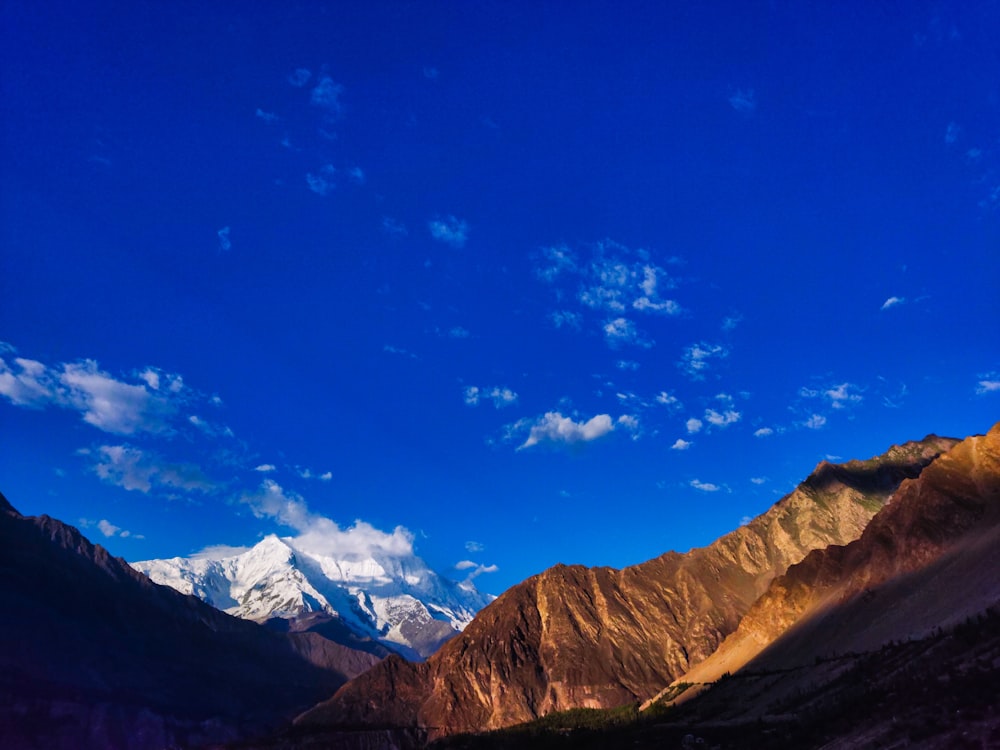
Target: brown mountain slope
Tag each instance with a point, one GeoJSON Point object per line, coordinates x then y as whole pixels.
{"type": "Point", "coordinates": [928, 559]}
{"type": "Point", "coordinates": [95, 655]}
{"type": "Point", "coordinates": [578, 637]}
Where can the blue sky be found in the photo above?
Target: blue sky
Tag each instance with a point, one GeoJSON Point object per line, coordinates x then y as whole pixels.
{"type": "Point", "coordinates": [511, 284]}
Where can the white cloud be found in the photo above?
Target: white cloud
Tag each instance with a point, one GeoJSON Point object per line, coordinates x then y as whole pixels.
{"type": "Point", "coordinates": [705, 486]}
{"type": "Point", "coordinates": [357, 174]}
{"type": "Point", "coordinates": [107, 528]}
{"type": "Point", "coordinates": [627, 364]}
{"type": "Point", "coordinates": [843, 395]}
{"type": "Point", "coordinates": [321, 535]}
{"type": "Point", "coordinates": [952, 133]}
{"type": "Point", "coordinates": [989, 383]}
{"type": "Point", "coordinates": [697, 358]}
{"type": "Point", "coordinates": [758, 480]}
{"type": "Point", "coordinates": [743, 101]}
{"type": "Point", "coordinates": [722, 419]}
{"type": "Point", "coordinates": [693, 425]}
{"type": "Point", "coordinates": [225, 243]}
{"type": "Point", "coordinates": [763, 432]}
{"type": "Point", "coordinates": [32, 385]}
{"type": "Point", "coordinates": [567, 318]}
{"type": "Point", "coordinates": [266, 116]}
{"type": "Point", "coordinates": [893, 302]}
{"type": "Point", "coordinates": [621, 331]}
{"type": "Point", "coordinates": [629, 422]}
{"type": "Point", "coordinates": [327, 95]}
{"type": "Point", "coordinates": [134, 469]}
{"type": "Point", "coordinates": [553, 261]}
{"type": "Point", "coordinates": [326, 476]}
{"type": "Point", "coordinates": [500, 396]}
{"type": "Point", "coordinates": [300, 77]}
{"type": "Point", "coordinates": [393, 228]}
{"type": "Point", "coordinates": [265, 468]}
{"type": "Point", "coordinates": [554, 427]}
{"type": "Point", "coordinates": [458, 332]}
{"type": "Point", "coordinates": [667, 399]}
{"type": "Point", "coordinates": [730, 322]}
{"type": "Point", "coordinates": [472, 546]}
{"type": "Point", "coordinates": [322, 182]}
{"type": "Point", "coordinates": [815, 422]}
{"type": "Point", "coordinates": [390, 349]}
{"type": "Point", "coordinates": [475, 568]}
{"type": "Point", "coordinates": [450, 230]}
{"type": "Point", "coordinates": [219, 552]}
{"type": "Point", "coordinates": [681, 445]}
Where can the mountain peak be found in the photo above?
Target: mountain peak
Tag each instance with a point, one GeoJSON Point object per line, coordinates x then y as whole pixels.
{"type": "Point", "coordinates": [398, 601]}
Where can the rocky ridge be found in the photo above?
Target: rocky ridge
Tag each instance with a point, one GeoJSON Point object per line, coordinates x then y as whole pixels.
{"type": "Point", "coordinates": [598, 637]}
{"type": "Point", "coordinates": [98, 656]}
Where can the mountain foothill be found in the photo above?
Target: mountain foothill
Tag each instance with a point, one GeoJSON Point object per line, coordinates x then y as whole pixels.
{"type": "Point", "coordinates": [861, 610]}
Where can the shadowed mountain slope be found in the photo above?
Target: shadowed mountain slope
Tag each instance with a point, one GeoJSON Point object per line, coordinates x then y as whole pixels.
{"type": "Point", "coordinates": [95, 655]}
{"type": "Point", "coordinates": [596, 637]}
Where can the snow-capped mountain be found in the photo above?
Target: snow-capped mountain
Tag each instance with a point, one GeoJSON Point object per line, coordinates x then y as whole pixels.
{"type": "Point", "coordinates": [396, 600]}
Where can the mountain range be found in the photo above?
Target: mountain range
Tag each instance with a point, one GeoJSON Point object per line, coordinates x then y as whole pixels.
{"type": "Point", "coordinates": [395, 600]}
{"type": "Point", "coordinates": [575, 637]}
{"type": "Point", "coordinates": [95, 655]}
{"type": "Point", "coordinates": [861, 610]}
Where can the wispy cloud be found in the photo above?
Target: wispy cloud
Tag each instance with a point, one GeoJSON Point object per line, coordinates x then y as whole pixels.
{"type": "Point", "coordinates": [693, 425]}
{"type": "Point", "coordinates": [566, 319]}
{"type": "Point", "coordinates": [450, 230]}
{"type": "Point", "coordinates": [265, 468]}
{"type": "Point", "coordinates": [321, 535]}
{"type": "Point", "coordinates": [988, 383]}
{"type": "Point", "coordinates": [475, 569]}
{"type": "Point", "coordinates": [815, 422]}
{"type": "Point", "coordinates": [553, 427]}
{"type": "Point", "coordinates": [133, 469]}
{"type": "Point", "coordinates": [225, 243]}
{"type": "Point", "coordinates": [704, 486]}
{"type": "Point", "coordinates": [390, 349]}
{"type": "Point", "coordinates": [681, 445]}
{"type": "Point", "coordinates": [500, 395]}
{"type": "Point", "coordinates": [322, 182]}
{"type": "Point", "coordinates": [629, 365]}
{"type": "Point", "coordinates": [839, 396]}
{"type": "Point", "coordinates": [472, 546]}
{"type": "Point", "coordinates": [393, 228]}
{"type": "Point", "coordinates": [763, 432]}
{"type": "Point", "coordinates": [326, 94]}
{"type": "Point", "coordinates": [607, 277]}
{"type": "Point", "coordinates": [952, 133]}
{"type": "Point", "coordinates": [665, 398]}
{"type": "Point", "coordinates": [697, 358]}
{"type": "Point", "coordinates": [623, 332]}
{"type": "Point", "coordinates": [758, 480]}
{"type": "Point", "coordinates": [723, 418]}
{"type": "Point", "coordinates": [743, 101]}
{"type": "Point", "coordinates": [266, 116]}
{"type": "Point", "coordinates": [893, 302]}
{"type": "Point", "coordinates": [300, 77]}
{"type": "Point", "coordinates": [108, 529]}
{"type": "Point", "coordinates": [106, 402]}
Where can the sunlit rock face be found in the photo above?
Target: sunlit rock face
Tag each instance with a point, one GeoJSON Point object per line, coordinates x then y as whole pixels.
{"type": "Point", "coordinates": [927, 561]}
{"type": "Point", "coordinates": [599, 637]}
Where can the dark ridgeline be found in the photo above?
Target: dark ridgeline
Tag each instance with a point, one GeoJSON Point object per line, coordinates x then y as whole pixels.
{"type": "Point", "coordinates": [95, 655]}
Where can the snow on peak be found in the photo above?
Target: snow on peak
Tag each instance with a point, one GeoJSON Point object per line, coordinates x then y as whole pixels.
{"type": "Point", "coordinates": [395, 599]}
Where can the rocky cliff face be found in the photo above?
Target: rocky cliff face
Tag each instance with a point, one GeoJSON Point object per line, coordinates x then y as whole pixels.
{"type": "Point", "coordinates": [928, 560]}
{"type": "Point", "coordinates": [95, 655]}
{"type": "Point", "coordinates": [598, 637]}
